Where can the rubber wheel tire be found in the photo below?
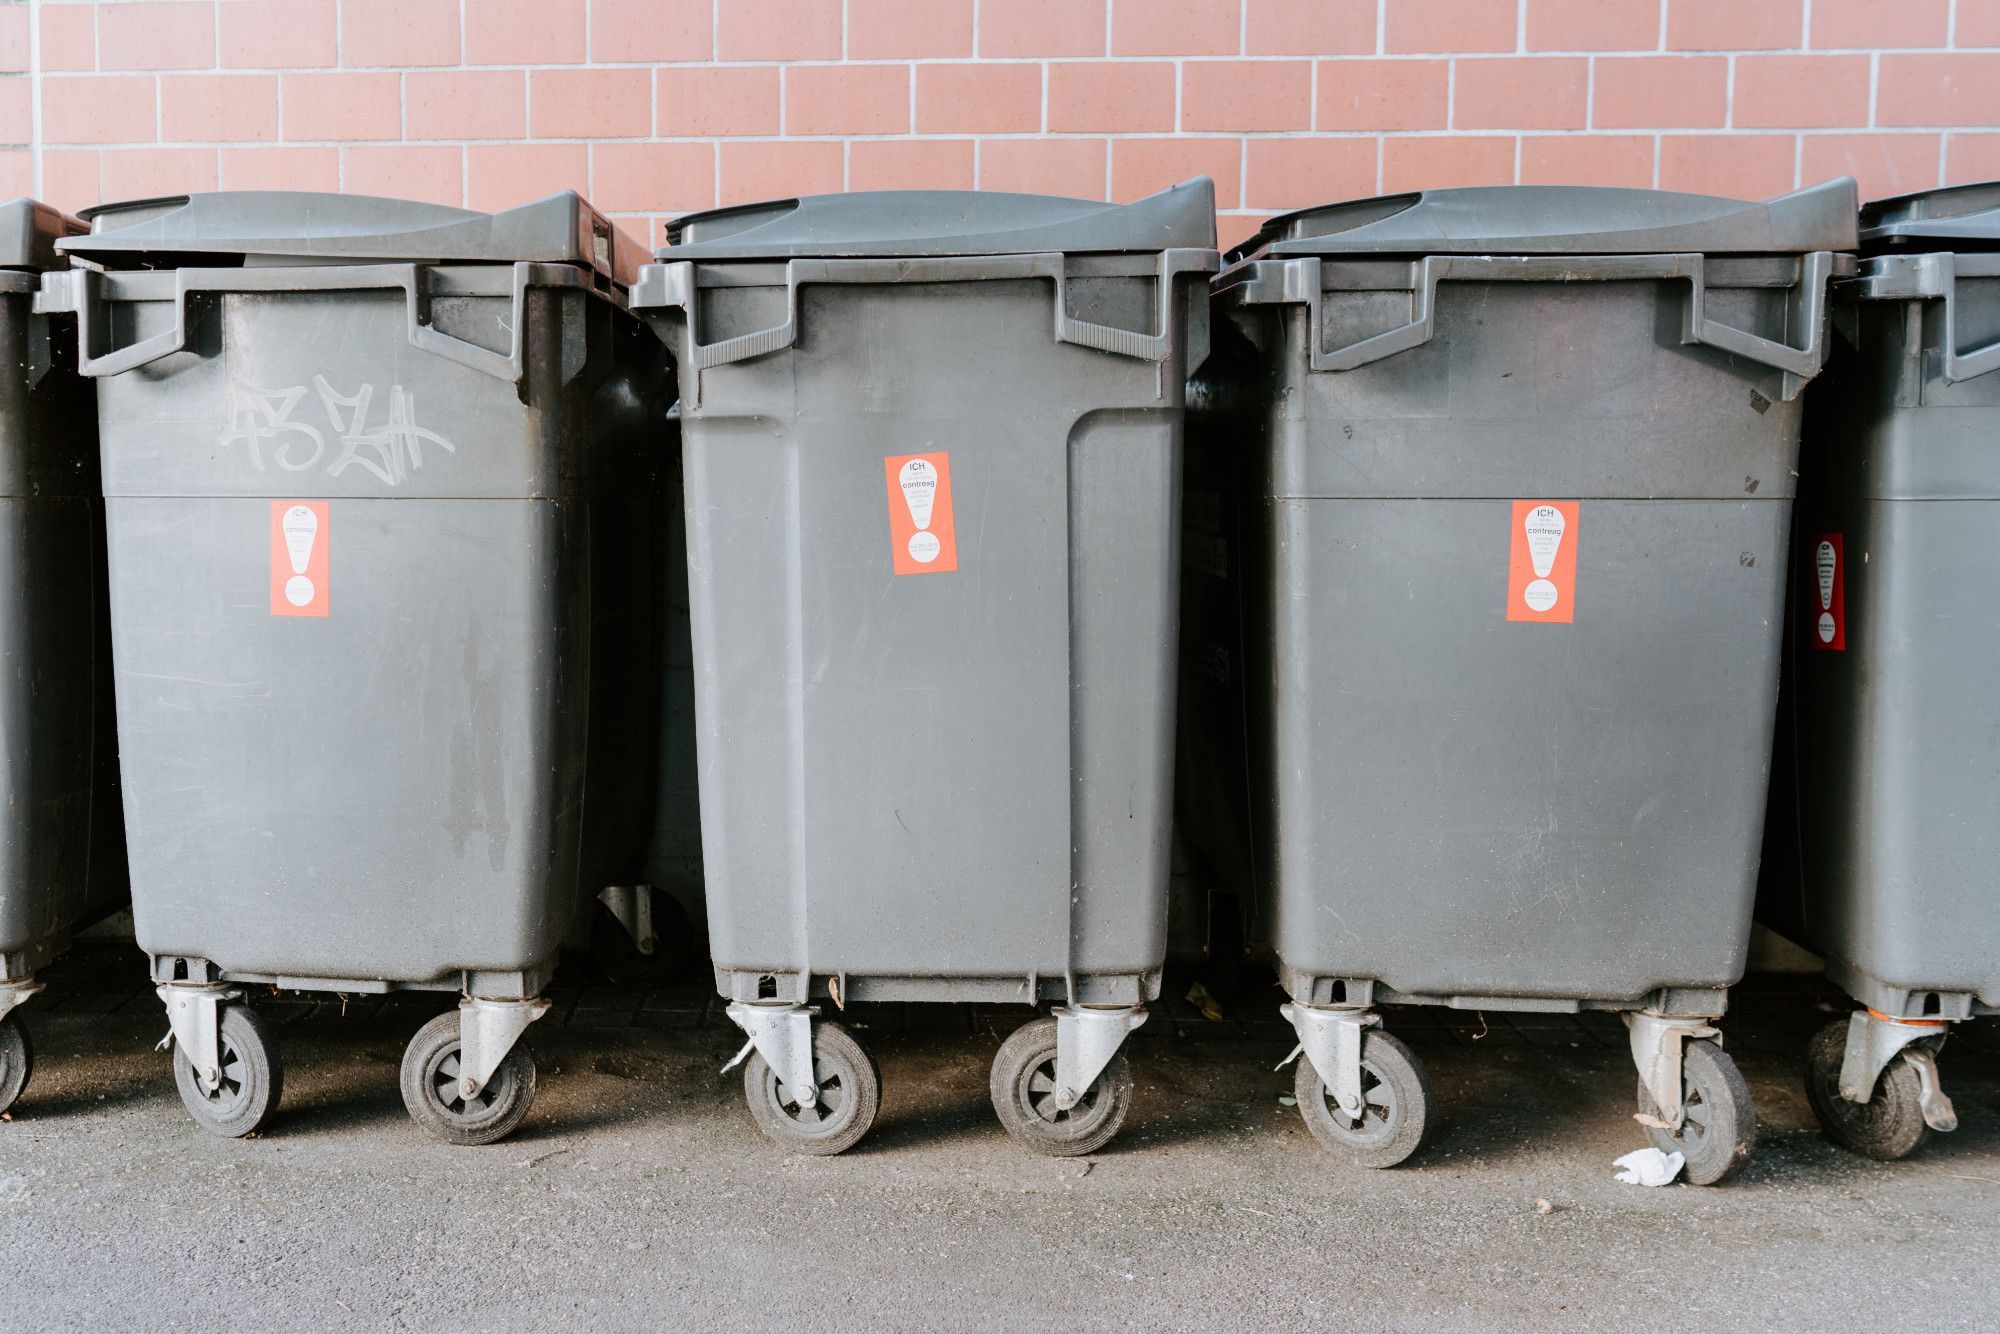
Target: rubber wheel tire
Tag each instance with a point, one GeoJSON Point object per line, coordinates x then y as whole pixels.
{"type": "Point", "coordinates": [1889, 1126]}
{"type": "Point", "coordinates": [1396, 1093]}
{"type": "Point", "coordinates": [1023, 1085]}
{"type": "Point", "coordinates": [850, 1093]}
{"type": "Point", "coordinates": [430, 1088]}
{"type": "Point", "coordinates": [618, 956]}
{"type": "Point", "coordinates": [252, 1077]}
{"type": "Point", "coordinates": [17, 1060]}
{"type": "Point", "coordinates": [1721, 1125]}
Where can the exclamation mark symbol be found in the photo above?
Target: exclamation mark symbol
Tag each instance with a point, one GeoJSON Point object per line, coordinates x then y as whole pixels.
{"type": "Point", "coordinates": [301, 529]}
{"type": "Point", "coordinates": [1544, 527]}
{"type": "Point", "coordinates": [918, 482]}
{"type": "Point", "coordinates": [1825, 562]}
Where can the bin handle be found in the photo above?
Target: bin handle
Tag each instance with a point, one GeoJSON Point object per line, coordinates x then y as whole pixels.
{"type": "Point", "coordinates": [1298, 281]}
{"type": "Point", "coordinates": [86, 299]}
{"type": "Point", "coordinates": [1935, 276]}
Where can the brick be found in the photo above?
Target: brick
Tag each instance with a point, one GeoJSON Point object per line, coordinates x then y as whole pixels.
{"type": "Point", "coordinates": [69, 41]}
{"type": "Point", "coordinates": [1883, 164]}
{"type": "Point", "coordinates": [139, 173]}
{"type": "Point", "coordinates": [1012, 28]}
{"type": "Point", "coordinates": [1383, 94]}
{"type": "Point", "coordinates": [17, 173]}
{"type": "Point", "coordinates": [1176, 27]}
{"type": "Point", "coordinates": [403, 33]}
{"type": "Point", "coordinates": [434, 173]}
{"type": "Point", "coordinates": [1594, 25]}
{"type": "Point", "coordinates": [638, 30]}
{"type": "Point", "coordinates": [752, 171]}
{"type": "Point", "coordinates": [1509, 93]}
{"type": "Point", "coordinates": [149, 35]}
{"type": "Point", "coordinates": [1436, 162]}
{"type": "Point", "coordinates": [1652, 92]}
{"type": "Point", "coordinates": [341, 107]}
{"type": "Point", "coordinates": [72, 177]}
{"type": "Point", "coordinates": [979, 99]}
{"type": "Point", "coordinates": [500, 176]}
{"type": "Point", "coordinates": [847, 99]}
{"type": "Point", "coordinates": [909, 164]}
{"type": "Point", "coordinates": [1739, 166]}
{"type": "Point", "coordinates": [1449, 25]}
{"type": "Point", "coordinates": [1308, 27]}
{"type": "Point", "coordinates": [1140, 167]}
{"type": "Point", "coordinates": [98, 109]}
{"type": "Point", "coordinates": [14, 44]}
{"type": "Point", "coordinates": [219, 108]}
{"type": "Point", "coordinates": [1732, 25]}
{"type": "Point", "coordinates": [1587, 159]}
{"type": "Point", "coordinates": [279, 169]}
{"type": "Point", "coordinates": [1232, 229]}
{"type": "Point", "coordinates": [1879, 23]}
{"type": "Point", "coordinates": [777, 30]}
{"type": "Point", "coordinates": [1971, 158]}
{"type": "Point", "coordinates": [1785, 92]}
{"type": "Point", "coordinates": [278, 34]}
{"type": "Point", "coordinates": [17, 112]}
{"type": "Point", "coordinates": [590, 103]}
{"type": "Point", "coordinates": [524, 32]}
{"type": "Point", "coordinates": [465, 104]}
{"type": "Point", "coordinates": [1284, 174]}
{"type": "Point", "coordinates": [1111, 96]}
{"type": "Point", "coordinates": [716, 100]}
{"type": "Point", "coordinates": [1938, 90]}
{"type": "Point", "coordinates": [652, 178]}
{"type": "Point", "coordinates": [1263, 95]}
{"type": "Point", "coordinates": [1073, 167]}
{"type": "Point", "coordinates": [1977, 23]}
{"type": "Point", "coordinates": [908, 30]}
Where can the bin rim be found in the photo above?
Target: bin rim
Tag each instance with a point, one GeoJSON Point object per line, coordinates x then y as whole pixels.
{"type": "Point", "coordinates": [1952, 217]}
{"type": "Point", "coordinates": [30, 232]}
{"type": "Point", "coordinates": [922, 224]}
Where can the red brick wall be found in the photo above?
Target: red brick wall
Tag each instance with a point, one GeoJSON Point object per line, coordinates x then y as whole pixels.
{"type": "Point", "coordinates": [653, 107]}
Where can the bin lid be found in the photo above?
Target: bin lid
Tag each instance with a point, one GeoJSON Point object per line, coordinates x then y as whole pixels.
{"type": "Point", "coordinates": [921, 223]}
{"type": "Point", "coordinates": [1958, 217]}
{"type": "Point", "coordinates": [1566, 220]}
{"type": "Point", "coordinates": [293, 225]}
{"type": "Point", "coordinates": [28, 233]}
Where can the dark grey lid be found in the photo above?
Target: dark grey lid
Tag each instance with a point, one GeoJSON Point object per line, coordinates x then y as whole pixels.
{"type": "Point", "coordinates": [1963, 217]}
{"type": "Point", "coordinates": [28, 234]}
{"type": "Point", "coordinates": [919, 223]}
{"type": "Point", "coordinates": [253, 225]}
{"type": "Point", "coordinates": [1566, 220]}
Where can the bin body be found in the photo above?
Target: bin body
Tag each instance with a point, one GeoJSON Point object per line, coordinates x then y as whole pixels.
{"type": "Point", "coordinates": [385, 786]}
{"type": "Point", "coordinates": [1897, 718]}
{"type": "Point", "coordinates": [61, 843]}
{"type": "Point", "coordinates": [1451, 801]}
{"type": "Point", "coordinates": [944, 782]}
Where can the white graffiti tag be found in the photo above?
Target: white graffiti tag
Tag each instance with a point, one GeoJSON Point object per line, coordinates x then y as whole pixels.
{"type": "Point", "coordinates": [255, 417]}
{"type": "Point", "coordinates": [391, 451]}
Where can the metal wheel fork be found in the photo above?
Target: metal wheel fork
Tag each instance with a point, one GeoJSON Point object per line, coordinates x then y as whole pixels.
{"type": "Point", "coordinates": [1875, 1039]}
{"type": "Point", "coordinates": [1087, 1037]}
{"type": "Point", "coordinates": [194, 1024]}
{"type": "Point", "coordinates": [1331, 1040]}
{"type": "Point", "coordinates": [783, 1036]}
{"type": "Point", "coordinates": [1657, 1041]}
{"type": "Point", "coordinates": [15, 991]}
{"type": "Point", "coordinates": [487, 1031]}
{"type": "Point", "coordinates": [632, 906]}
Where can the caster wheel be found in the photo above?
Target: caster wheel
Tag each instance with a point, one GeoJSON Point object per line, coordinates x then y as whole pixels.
{"type": "Point", "coordinates": [430, 1087]}
{"type": "Point", "coordinates": [1023, 1086]}
{"type": "Point", "coordinates": [17, 1060]}
{"type": "Point", "coordinates": [1396, 1105]}
{"type": "Point", "coordinates": [1721, 1126]}
{"type": "Point", "coordinates": [1889, 1126]}
{"type": "Point", "coordinates": [850, 1092]}
{"type": "Point", "coordinates": [252, 1077]}
{"type": "Point", "coordinates": [623, 964]}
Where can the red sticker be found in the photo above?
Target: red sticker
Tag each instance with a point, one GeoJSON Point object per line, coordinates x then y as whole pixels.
{"type": "Point", "coordinates": [1828, 617]}
{"type": "Point", "coordinates": [1541, 561]}
{"type": "Point", "coordinates": [921, 538]}
{"type": "Point", "coordinates": [299, 538]}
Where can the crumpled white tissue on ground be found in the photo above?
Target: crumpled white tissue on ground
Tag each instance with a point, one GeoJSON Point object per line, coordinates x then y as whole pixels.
{"type": "Point", "coordinates": [1650, 1167]}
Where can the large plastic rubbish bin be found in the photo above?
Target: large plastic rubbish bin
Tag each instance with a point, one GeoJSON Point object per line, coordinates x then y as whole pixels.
{"type": "Point", "coordinates": [1895, 681]}
{"type": "Point", "coordinates": [1515, 480]}
{"type": "Point", "coordinates": [932, 451]}
{"type": "Point", "coordinates": [347, 449]}
{"type": "Point", "coordinates": [61, 853]}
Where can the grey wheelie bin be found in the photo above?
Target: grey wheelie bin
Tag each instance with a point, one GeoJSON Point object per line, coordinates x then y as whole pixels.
{"type": "Point", "coordinates": [1515, 474]}
{"type": "Point", "coordinates": [932, 445]}
{"type": "Point", "coordinates": [347, 449]}
{"type": "Point", "coordinates": [61, 844]}
{"type": "Point", "coordinates": [1895, 680]}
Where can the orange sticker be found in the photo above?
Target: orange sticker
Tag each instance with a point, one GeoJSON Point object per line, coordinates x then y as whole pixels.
{"type": "Point", "coordinates": [1541, 561]}
{"type": "Point", "coordinates": [299, 538]}
{"type": "Point", "coordinates": [1829, 607]}
{"type": "Point", "coordinates": [921, 538]}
